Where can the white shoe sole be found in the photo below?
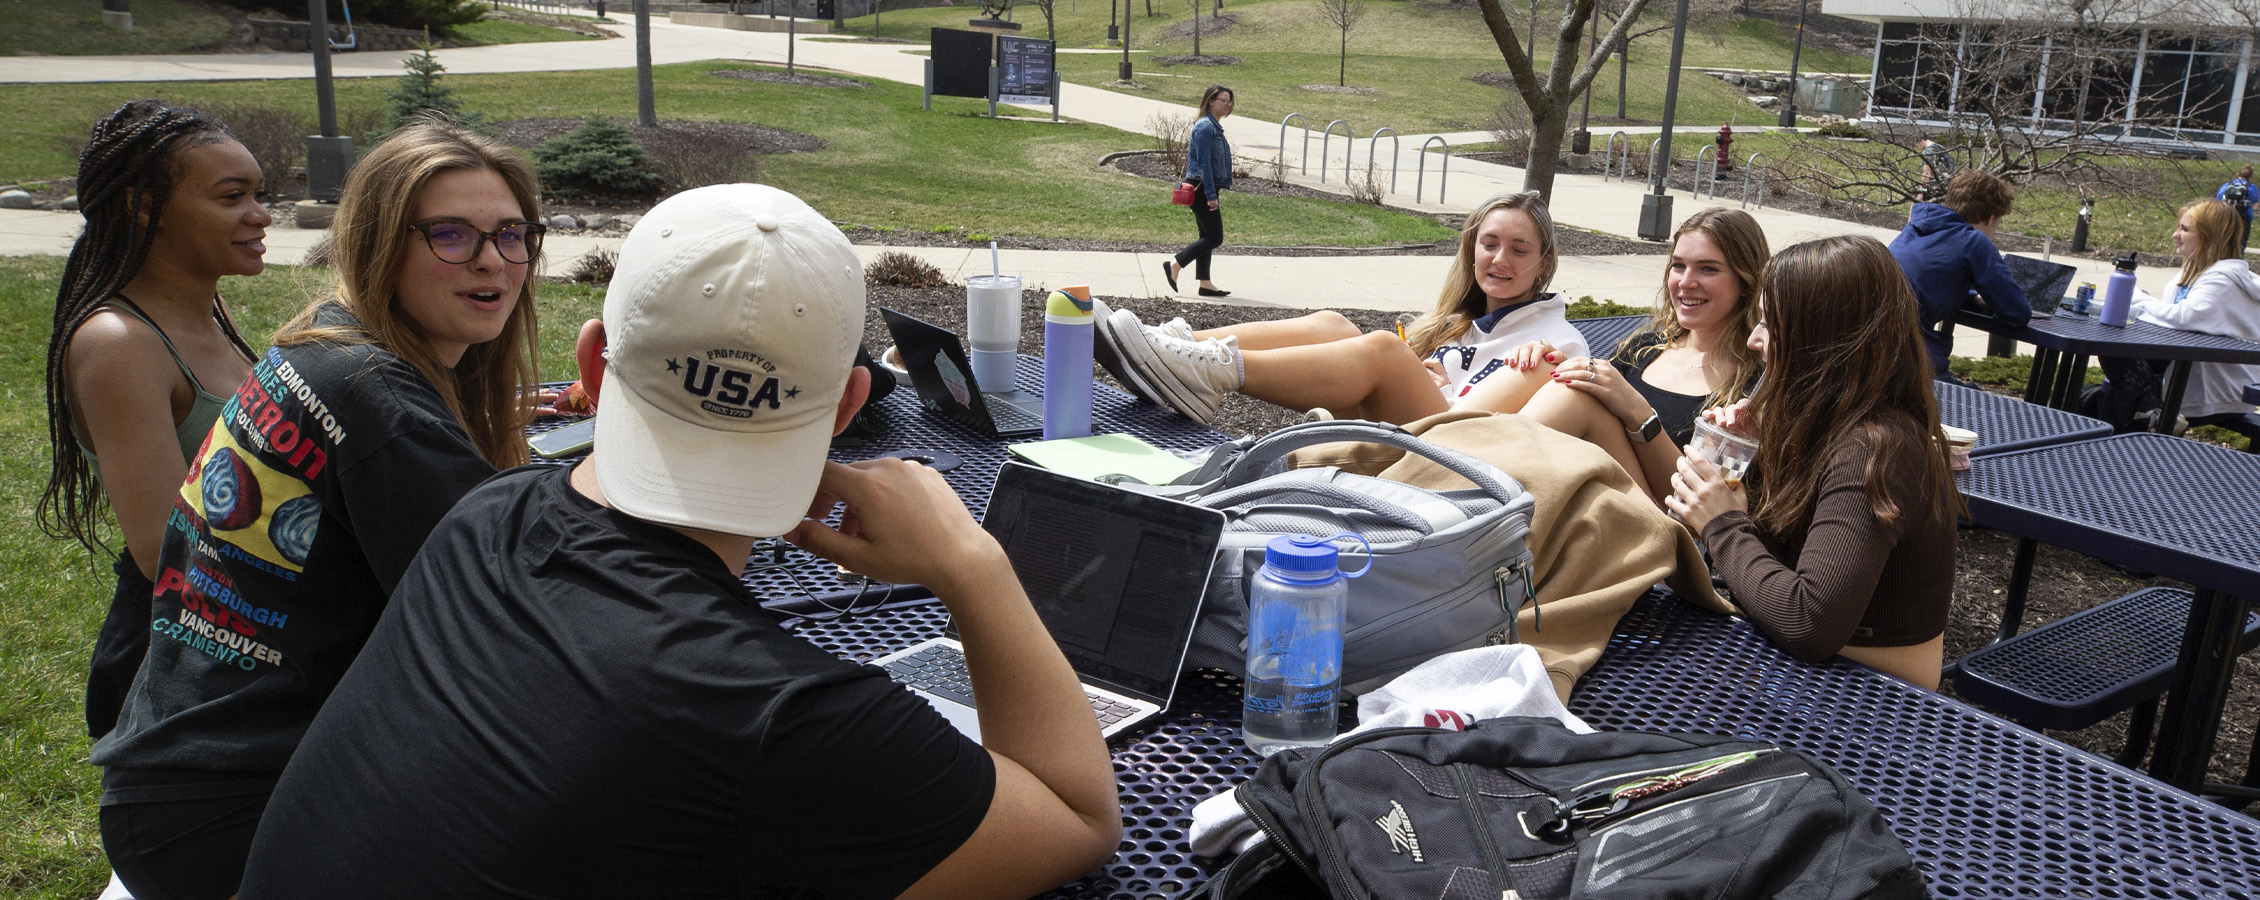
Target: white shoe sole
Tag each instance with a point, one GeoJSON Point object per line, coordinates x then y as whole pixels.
{"type": "Point", "coordinates": [1108, 350]}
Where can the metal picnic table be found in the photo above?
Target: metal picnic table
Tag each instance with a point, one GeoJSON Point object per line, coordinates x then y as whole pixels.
{"type": "Point", "coordinates": [2065, 341]}
{"type": "Point", "coordinates": [1604, 334]}
{"type": "Point", "coordinates": [2180, 508]}
{"type": "Point", "coordinates": [2005, 424]}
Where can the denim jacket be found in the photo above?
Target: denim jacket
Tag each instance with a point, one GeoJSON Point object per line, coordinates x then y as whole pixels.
{"type": "Point", "coordinates": [1208, 157]}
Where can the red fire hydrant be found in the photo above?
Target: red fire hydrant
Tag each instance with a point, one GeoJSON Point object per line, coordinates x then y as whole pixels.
{"type": "Point", "coordinates": [1726, 148]}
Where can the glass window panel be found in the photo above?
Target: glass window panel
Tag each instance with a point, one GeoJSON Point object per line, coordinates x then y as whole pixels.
{"type": "Point", "coordinates": [1895, 66]}
{"type": "Point", "coordinates": [2163, 77]}
{"type": "Point", "coordinates": [2205, 103]}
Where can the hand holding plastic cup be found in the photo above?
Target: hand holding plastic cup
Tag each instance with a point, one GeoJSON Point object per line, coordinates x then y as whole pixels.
{"type": "Point", "coordinates": [1730, 452]}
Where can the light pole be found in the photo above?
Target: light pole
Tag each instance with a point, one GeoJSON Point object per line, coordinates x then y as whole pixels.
{"type": "Point", "coordinates": [328, 155]}
{"type": "Point", "coordinates": [1125, 71]}
{"type": "Point", "coordinates": [1789, 103]}
{"type": "Point", "coordinates": [1655, 208]}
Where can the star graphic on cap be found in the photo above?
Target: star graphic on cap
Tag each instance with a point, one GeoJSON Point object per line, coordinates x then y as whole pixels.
{"type": "Point", "coordinates": [673, 366]}
{"type": "Point", "coordinates": [791, 393]}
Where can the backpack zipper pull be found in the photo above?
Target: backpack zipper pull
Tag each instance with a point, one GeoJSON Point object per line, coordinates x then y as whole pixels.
{"type": "Point", "coordinates": [1517, 569]}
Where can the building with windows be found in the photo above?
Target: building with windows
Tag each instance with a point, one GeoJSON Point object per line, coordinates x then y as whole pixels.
{"type": "Point", "coordinates": [2164, 71]}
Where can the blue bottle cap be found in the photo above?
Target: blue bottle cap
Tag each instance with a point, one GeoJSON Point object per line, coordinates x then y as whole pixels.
{"type": "Point", "coordinates": [1303, 558]}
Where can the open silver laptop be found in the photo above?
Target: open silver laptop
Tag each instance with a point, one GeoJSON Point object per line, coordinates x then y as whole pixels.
{"type": "Point", "coordinates": [1116, 576]}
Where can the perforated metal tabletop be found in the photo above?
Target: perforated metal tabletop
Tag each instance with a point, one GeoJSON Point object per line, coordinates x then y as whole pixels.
{"type": "Point", "coordinates": [2065, 341]}
{"type": "Point", "coordinates": [2004, 424]}
{"type": "Point", "coordinates": [1988, 809]}
{"type": "Point", "coordinates": [1603, 335]}
{"type": "Point", "coordinates": [2183, 509]}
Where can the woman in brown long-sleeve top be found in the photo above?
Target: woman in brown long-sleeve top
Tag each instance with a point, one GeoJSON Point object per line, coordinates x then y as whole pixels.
{"type": "Point", "coordinates": [1848, 546]}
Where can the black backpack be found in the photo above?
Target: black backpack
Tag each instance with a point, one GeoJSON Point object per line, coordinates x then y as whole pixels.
{"type": "Point", "coordinates": [1523, 809]}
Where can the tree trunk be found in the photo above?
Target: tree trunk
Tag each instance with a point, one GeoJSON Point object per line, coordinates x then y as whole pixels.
{"type": "Point", "coordinates": [1196, 29]}
{"type": "Point", "coordinates": [1342, 78]}
{"type": "Point", "coordinates": [1545, 149]}
{"type": "Point", "coordinates": [647, 112]}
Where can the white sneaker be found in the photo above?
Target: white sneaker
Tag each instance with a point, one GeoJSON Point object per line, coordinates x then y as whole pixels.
{"type": "Point", "coordinates": [1188, 376]}
{"type": "Point", "coordinates": [1176, 328]}
{"type": "Point", "coordinates": [1114, 327]}
{"type": "Point", "coordinates": [1317, 414]}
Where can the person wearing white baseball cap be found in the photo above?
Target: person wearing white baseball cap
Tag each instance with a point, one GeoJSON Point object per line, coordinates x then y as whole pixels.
{"type": "Point", "coordinates": [572, 694]}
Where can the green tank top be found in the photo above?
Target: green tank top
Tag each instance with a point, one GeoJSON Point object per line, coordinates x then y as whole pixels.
{"type": "Point", "coordinates": [205, 411]}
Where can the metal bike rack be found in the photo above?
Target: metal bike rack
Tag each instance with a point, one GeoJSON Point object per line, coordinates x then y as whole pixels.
{"type": "Point", "coordinates": [1396, 148]}
{"type": "Point", "coordinates": [1306, 144]}
{"type": "Point", "coordinates": [1711, 154]}
{"type": "Point", "coordinates": [1348, 138]}
{"type": "Point", "coordinates": [1659, 178]}
{"type": "Point", "coordinates": [1443, 169]}
{"type": "Point", "coordinates": [1609, 156]}
{"type": "Point", "coordinates": [1751, 172]}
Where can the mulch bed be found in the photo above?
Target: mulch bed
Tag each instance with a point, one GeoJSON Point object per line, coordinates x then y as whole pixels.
{"type": "Point", "coordinates": [744, 135]}
{"type": "Point", "coordinates": [795, 79]}
{"type": "Point", "coordinates": [2063, 582]}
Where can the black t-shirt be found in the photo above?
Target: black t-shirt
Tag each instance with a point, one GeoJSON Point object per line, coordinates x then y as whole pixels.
{"type": "Point", "coordinates": [564, 700]}
{"type": "Point", "coordinates": [1678, 410]}
{"type": "Point", "coordinates": [326, 470]}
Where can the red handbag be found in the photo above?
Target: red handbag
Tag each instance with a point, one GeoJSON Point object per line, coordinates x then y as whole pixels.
{"type": "Point", "coordinates": [1184, 194]}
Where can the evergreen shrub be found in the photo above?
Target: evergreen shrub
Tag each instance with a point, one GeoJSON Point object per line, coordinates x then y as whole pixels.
{"type": "Point", "coordinates": [601, 161]}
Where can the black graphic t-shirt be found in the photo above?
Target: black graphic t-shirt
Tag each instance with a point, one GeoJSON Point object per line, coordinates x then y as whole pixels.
{"type": "Point", "coordinates": [565, 700]}
{"type": "Point", "coordinates": [327, 468]}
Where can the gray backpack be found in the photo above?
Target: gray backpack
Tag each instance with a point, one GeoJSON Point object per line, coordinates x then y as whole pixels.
{"type": "Point", "coordinates": [1450, 568]}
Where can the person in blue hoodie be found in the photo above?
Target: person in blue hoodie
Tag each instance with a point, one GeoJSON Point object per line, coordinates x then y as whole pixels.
{"type": "Point", "coordinates": [1947, 252]}
{"type": "Point", "coordinates": [2239, 193]}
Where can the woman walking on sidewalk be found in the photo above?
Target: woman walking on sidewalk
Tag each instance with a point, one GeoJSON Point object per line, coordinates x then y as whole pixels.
{"type": "Point", "coordinates": [1208, 164]}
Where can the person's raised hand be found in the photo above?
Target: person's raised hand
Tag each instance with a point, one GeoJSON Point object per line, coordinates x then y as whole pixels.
{"type": "Point", "coordinates": [1598, 379]}
{"type": "Point", "coordinates": [1700, 493]}
{"type": "Point", "coordinates": [902, 523]}
{"type": "Point", "coordinates": [1531, 355]}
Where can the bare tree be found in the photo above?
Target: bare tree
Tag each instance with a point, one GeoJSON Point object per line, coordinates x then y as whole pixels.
{"type": "Point", "coordinates": [1197, 27]}
{"type": "Point", "coordinates": [1548, 98]}
{"type": "Point", "coordinates": [1344, 15]}
{"type": "Point", "coordinates": [1046, 7]}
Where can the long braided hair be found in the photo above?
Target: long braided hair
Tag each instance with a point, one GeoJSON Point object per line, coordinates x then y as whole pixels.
{"type": "Point", "coordinates": [124, 173]}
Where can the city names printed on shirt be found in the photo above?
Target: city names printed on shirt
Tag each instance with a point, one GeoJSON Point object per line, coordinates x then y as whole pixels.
{"type": "Point", "coordinates": [247, 510]}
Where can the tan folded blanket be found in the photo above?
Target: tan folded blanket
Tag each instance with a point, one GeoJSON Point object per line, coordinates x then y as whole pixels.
{"type": "Point", "coordinates": [1597, 540]}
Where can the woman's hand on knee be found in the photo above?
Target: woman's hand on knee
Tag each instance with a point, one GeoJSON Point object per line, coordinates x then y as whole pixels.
{"type": "Point", "coordinates": [1435, 370]}
{"type": "Point", "coordinates": [1598, 379]}
{"type": "Point", "coordinates": [1532, 355]}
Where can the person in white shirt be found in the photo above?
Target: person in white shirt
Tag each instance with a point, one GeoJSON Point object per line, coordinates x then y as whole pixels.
{"type": "Point", "coordinates": [1491, 342]}
{"type": "Point", "coordinates": [2216, 294]}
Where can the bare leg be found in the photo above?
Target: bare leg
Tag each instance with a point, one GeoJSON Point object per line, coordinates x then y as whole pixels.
{"type": "Point", "coordinates": [1583, 417]}
{"type": "Point", "coordinates": [1371, 376]}
{"type": "Point", "coordinates": [1507, 390]}
{"type": "Point", "coordinates": [1322, 327]}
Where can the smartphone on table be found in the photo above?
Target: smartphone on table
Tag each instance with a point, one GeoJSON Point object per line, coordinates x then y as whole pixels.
{"type": "Point", "coordinates": [562, 442]}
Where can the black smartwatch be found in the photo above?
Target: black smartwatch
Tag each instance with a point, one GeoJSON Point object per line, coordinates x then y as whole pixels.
{"type": "Point", "coordinates": [1649, 429]}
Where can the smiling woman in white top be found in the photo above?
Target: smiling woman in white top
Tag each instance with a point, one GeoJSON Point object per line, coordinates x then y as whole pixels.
{"type": "Point", "coordinates": [1490, 342]}
{"type": "Point", "coordinates": [2216, 294]}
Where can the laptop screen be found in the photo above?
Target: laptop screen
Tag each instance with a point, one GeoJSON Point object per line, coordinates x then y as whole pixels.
{"type": "Point", "coordinates": [1117, 576]}
{"type": "Point", "coordinates": [2045, 283]}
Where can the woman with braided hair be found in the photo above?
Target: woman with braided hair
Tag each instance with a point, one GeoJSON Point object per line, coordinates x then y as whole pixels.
{"type": "Point", "coordinates": [143, 349]}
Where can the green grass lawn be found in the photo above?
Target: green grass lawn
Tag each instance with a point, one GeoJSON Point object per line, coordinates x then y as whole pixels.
{"type": "Point", "coordinates": [74, 28]}
{"type": "Point", "coordinates": [511, 31]}
{"type": "Point", "coordinates": [890, 163]}
{"type": "Point", "coordinates": [50, 843]}
{"type": "Point", "coordinates": [1404, 51]}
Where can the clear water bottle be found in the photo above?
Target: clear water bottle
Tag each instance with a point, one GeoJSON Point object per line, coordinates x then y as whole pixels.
{"type": "Point", "coordinates": [1294, 676]}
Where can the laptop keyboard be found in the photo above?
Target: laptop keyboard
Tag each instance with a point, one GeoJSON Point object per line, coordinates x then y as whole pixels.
{"type": "Point", "coordinates": [940, 670]}
{"type": "Point", "coordinates": [1009, 417]}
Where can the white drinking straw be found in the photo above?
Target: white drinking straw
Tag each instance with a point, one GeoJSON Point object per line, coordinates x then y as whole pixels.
{"type": "Point", "coordinates": [995, 268]}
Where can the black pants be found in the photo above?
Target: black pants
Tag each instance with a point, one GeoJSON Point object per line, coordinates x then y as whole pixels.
{"type": "Point", "coordinates": [118, 648]}
{"type": "Point", "coordinates": [182, 849]}
{"type": "Point", "coordinates": [2130, 388]}
{"type": "Point", "coordinates": [1196, 254]}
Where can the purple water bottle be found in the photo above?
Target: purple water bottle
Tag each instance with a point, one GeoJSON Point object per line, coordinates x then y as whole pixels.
{"type": "Point", "coordinates": [2118, 294]}
{"type": "Point", "coordinates": [1068, 325]}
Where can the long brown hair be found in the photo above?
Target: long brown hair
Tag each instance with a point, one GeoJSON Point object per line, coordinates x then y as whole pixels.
{"type": "Point", "coordinates": [125, 172]}
{"type": "Point", "coordinates": [1462, 301]}
{"type": "Point", "coordinates": [490, 389]}
{"type": "Point", "coordinates": [2218, 227]}
{"type": "Point", "coordinates": [1743, 243]}
{"type": "Point", "coordinates": [1844, 361]}
{"type": "Point", "coordinates": [1209, 96]}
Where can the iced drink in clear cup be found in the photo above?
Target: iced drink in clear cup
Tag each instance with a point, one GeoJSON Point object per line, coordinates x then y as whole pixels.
{"type": "Point", "coordinates": [1730, 452]}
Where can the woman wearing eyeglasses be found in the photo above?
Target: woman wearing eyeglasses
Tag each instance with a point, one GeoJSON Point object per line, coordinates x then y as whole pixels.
{"type": "Point", "coordinates": [375, 411]}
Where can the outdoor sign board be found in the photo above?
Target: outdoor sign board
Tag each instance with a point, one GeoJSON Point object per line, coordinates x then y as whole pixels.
{"type": "Point", "coordinates": [961, 63]}
{"type": "Point", "coordinates": [1026, 75]}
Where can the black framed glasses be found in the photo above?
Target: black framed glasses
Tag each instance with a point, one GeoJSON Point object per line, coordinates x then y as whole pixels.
{"type": "Point", "coordinates": [459, 243]}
